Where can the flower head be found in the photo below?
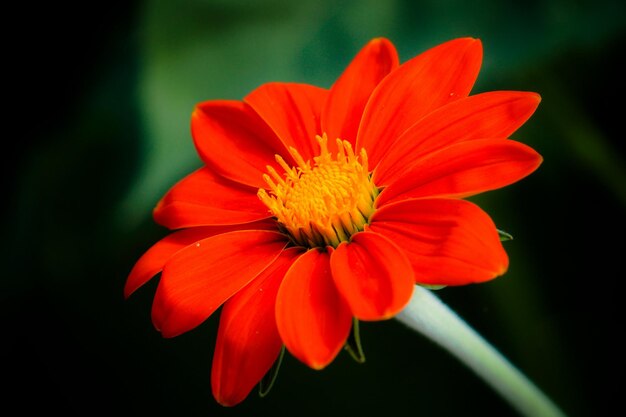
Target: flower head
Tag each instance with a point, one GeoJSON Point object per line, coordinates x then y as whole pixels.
{"type": "Point", "coordinates": [317, 207]}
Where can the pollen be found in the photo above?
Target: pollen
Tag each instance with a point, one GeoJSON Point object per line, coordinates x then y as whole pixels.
{"type": "Point", "coordinates": [321, 202]}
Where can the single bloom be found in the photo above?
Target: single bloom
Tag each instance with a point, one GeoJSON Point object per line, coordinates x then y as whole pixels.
{"type": "Point", "coordinates": [316, 208]}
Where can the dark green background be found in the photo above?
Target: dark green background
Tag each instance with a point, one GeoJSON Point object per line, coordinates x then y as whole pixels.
{"type": "Point", "coordinates": [98, 128]}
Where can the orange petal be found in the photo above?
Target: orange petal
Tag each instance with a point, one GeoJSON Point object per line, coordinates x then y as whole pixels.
{"type": "Point", "coordinates": [234, 141]}
{"type": "Point", "coordinates": [204, 198]}
{"type": "Point", "coordinates": [313, 320]}
{"type": "Point", "coordinates": [293, 112]}
{"type": "Point", "coordinates": [345, 103]}
{"type": "Point", "coordinates": [448, 241]}
{"type": "Point", "coordinates": [200, 277]}
{"type": "Point", "coordinates": [374, 276]}
{"type": "Point", "coordinates": [153, 260]}
{"type": "Point", "coordinates": [248, 342]}
{"type": "Point", "coordinates": [496, 114]}
{"type": "Point", "coordinates": [428, 81]}
{"type": "Point", "coordinates": [464, 169]}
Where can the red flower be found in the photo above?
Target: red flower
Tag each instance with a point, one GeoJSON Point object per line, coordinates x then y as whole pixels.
{"type": "Point", "coordinates": [318, 206]}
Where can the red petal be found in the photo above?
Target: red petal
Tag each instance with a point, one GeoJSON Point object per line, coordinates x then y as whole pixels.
{"type": "Point", "coordinates": [448, 241]}
{"type": "Point", "coordinates": [153, 260]}
{"type": "Point", "coordinates": [313, 320]}
{"type": "Point", "coordinates": [495, 114]}
{"type": "Point", "coordinates": [200, 277]}
{"type": "Point", "coordinates": [204, 198]}
{"type": "Point", "coordinates": [293, 112]}
{"type": "Point", "coordinates": [234, 141]}
{"type": "Point", "coordinates": [248, 342]}
{"type": "Point", "coordinates": [344, 107]}
{"type": "Point", "coordinates": [430, 80]}
{"type": "Point", "coordinates": [464, 169]}
{"type": "Point", "coordinates": [374, 276]}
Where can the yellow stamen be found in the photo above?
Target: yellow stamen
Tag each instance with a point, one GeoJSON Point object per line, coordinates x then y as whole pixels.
{"type": "Point", "coordinates": [323, 203]}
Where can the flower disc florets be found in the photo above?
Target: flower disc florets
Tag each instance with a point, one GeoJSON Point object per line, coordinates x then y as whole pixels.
{"type": "Point", "coordinates": [323, 203]}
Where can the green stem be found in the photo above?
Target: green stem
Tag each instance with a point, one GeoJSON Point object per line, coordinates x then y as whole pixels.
{"type": "Point", "coordinates": [431, 317]}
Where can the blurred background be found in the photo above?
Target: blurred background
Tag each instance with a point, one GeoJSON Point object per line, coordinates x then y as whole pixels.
{"type": "Point", "coordinates": [100, 102]}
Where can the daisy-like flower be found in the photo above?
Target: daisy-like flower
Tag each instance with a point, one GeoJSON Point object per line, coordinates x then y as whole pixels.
{"type": "Point", "coordinates": [317, 208]}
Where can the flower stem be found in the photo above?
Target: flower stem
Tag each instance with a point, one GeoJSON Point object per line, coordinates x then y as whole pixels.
{"type": "Point", "coordinates": [427, 314]}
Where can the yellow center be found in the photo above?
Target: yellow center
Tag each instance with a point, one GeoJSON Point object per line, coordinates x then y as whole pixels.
{"type": "Point", "coordinates": [323, 203]}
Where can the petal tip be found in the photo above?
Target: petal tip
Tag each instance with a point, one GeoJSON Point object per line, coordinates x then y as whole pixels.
{"type": "Point", "coordinates": [160, 213]}
{"type": "Point", "coordinates": [532, 97]}
{"type": "Point", "coordinates": [317, 366]}
{"type": "Point", "coordinates": [127, 292]}
{"type": "Point", "coordinates": [380, 40]}
{"type": "Point", "coordinates": [477, 44]}
{"type": "Point", "coordinates": [225, 402]}
{"type": "Point", "coordinates": [167, 333]}
{"type": "Point", "coordinates": [503, 267]}
{"type": "Point", "coordinates": [473, 42]}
